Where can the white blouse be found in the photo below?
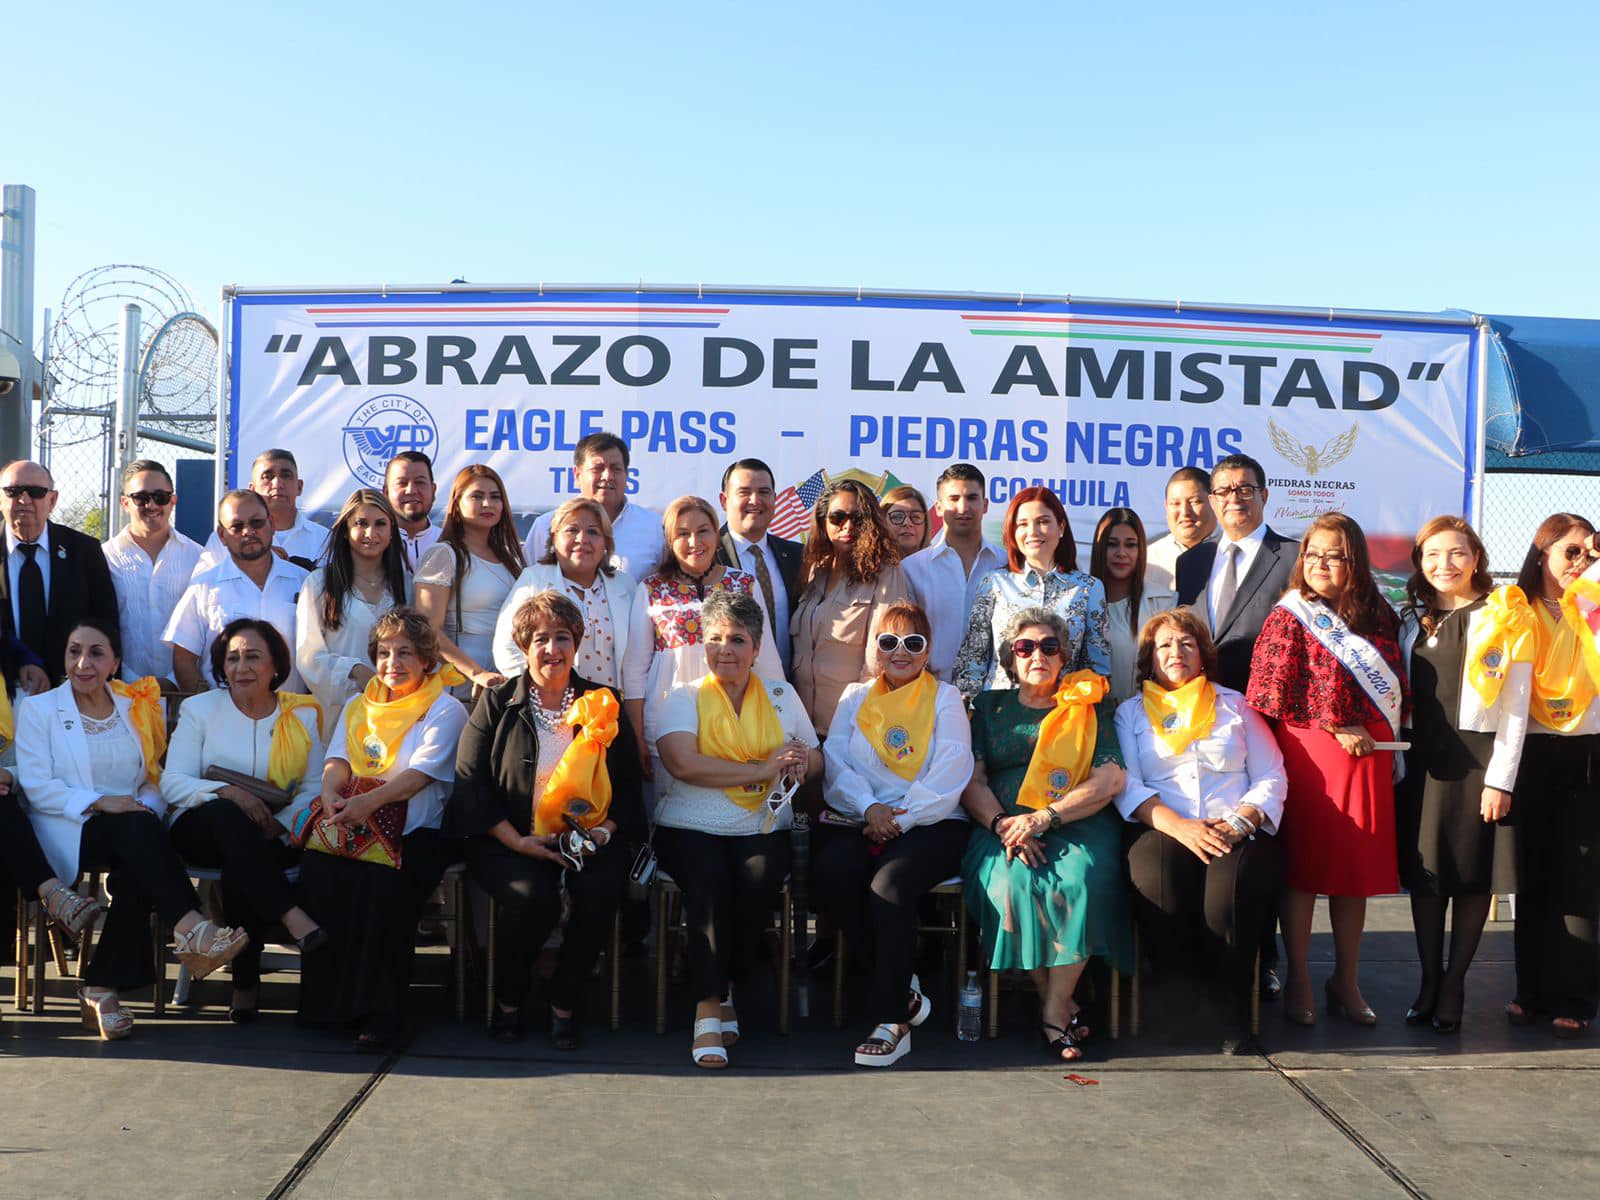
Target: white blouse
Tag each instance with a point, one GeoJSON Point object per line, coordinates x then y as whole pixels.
{"type": "Point", "coordinates": [212, 732]}
{"type": "Point", "coordinates": [1125, 638]}
{"type": "Point", "coordinates": [428, 746]}
{"type": "Point", "coordinates": [326, 657]}
{"type": "Point", "coordinates": [116, 758]}
{"type": "Point", "coordinates": [484, 588]}
{"type": "Point", "coordinates": [857, 777]}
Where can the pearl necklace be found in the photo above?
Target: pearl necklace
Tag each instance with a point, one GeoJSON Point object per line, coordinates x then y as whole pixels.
{"type": "Point", "coordinates": [549, 720]}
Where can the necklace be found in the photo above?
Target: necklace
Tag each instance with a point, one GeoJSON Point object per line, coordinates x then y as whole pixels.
{"type": "Point", "coordinates": [1433, 638]}
{"type": "Point", "coordinates": [1554, 606]}
{"type": "Point", "coordinates": [698, 581]}
{"type": "Point", "coordinates": [550, 719]}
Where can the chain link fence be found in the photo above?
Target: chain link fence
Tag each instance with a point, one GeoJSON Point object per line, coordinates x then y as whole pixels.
{"type": "Point", "coordinates": [1514, 502]}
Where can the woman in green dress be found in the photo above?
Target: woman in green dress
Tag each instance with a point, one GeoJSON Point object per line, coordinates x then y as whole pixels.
{"type": "Point", "coordinates": [1043, 870]}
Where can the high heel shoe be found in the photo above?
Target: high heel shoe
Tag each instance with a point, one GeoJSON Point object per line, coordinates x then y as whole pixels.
{"type": "Point", "coordinates": [1338, 1008]}
{"type": "Point", "coordinates": [208, 946]}
{"type": "Point", "coordinates": [103, 1014]}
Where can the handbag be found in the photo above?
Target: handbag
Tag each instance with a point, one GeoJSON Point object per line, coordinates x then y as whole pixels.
{"type": "Point", "coordinates": [378, 841]}
{"type": "Point", "coordinates": [275, 798]}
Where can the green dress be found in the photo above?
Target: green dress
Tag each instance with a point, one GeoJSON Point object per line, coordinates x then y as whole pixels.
{"type": "Point", "coordinates": [1073, 907]}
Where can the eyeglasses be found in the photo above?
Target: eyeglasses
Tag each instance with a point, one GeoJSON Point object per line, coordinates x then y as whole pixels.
{"type": "Point", "coordinates": [160, 498]}
{"type": "Point", "coordinates": [1024, 647]}
{"type": "Point", "coordinates": [838, 518]}
{"type": "Point", "coordinates": [1571, 553]}
{"type": "Point", "coordinates": [34, 491]}
{"type": "Point", "coordinates": [899, 516]}
{"type": "Point", "coordinates": [239, 528]}
{"type": "Point", "coordinates": [1245, 491]}
{"type": "Point", "coordinates": [1328, 560]}
{"type": "Point", "coordinates": [914, 643]}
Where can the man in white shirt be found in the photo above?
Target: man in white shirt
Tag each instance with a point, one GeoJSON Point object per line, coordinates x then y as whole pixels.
{"type": "Point", "coordinates": [408, 485]}
{"type": "Point", "coordinates": [749, 498]}
{"type": "Point", "coordinates": [1190, 521]}
{"type": "Point", "coordinates": [600, 471]}
{"type": "Point", "coordinates": [151, 565]}
{"type": "Point", "coordinates": [275, 477]}
{"type": "Point", "coordinates": [251, 582]}
{"type": "Point", "coordinates": [944, 575]}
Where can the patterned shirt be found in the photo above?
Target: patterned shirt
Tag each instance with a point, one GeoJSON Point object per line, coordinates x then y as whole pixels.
{"type": "Point", "coordinates": [1078, 599]}
{"type": "Point", "coordinates": [597, 653]}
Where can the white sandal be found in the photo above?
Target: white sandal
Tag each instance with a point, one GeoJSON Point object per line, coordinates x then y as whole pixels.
{"type": "Point", "coordinates": [208, 946]}
{"type": "Point", "coordinates": [98, 1013]}
{"type": "Point", "coordinates": [897, 1044]}
{"type": "Point", "coordinates": [712, 1058]}
{"type": "Point", "coordinates": [730, 1029]}
{"type": "Point", "coordinates": [919, 1007]}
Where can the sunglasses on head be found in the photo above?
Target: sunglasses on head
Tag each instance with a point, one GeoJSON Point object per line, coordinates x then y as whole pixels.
{"type": "Point", "coordinates": [161, 497]}
{"type": "Point", "coordinates": [34, 491]}
{"type": "Point", "coordinates": [914, 643]}
{"type": "Point", "coordinates": [1024, 647]}
{"type": "Point", "coordinates": [838, 518]}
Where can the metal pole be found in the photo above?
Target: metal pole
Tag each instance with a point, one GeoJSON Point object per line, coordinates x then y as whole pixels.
{"type": "Point", "coordinates": [1481, 383]}
{"type": "Point", "coordinates": [127, 405]}
{"type": "Point", "coordinates": [17, 220]}
{"type": "Point", "coordinates": [224, 433]}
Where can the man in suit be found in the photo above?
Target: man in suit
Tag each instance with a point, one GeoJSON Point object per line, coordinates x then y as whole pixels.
{"type": "Point", "coordinates": [51, 577]}
{"type": "Point", "coordinates": [749, 498]}
{"type": "Point", "coordinates": [1234, 582]}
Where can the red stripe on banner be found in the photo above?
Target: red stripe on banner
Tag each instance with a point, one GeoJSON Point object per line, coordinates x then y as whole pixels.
{"type": "Point", "coordinates": [1278, 329]}
{"type": "Point", "coordinates": [507, 308]}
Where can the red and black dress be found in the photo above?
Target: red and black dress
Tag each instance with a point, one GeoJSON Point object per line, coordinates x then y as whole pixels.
{"type": "Point", "coordinates": [1338, 826]}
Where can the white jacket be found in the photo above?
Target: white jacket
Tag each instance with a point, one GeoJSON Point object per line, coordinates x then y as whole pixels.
{"type": "Point", "coordinates": [509, 660]}
{"type": "Point", "coordinates": [53, 770]}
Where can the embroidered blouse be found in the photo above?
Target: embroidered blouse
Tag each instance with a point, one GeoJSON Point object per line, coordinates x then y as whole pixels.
{"type": "Point", "coordinates": [1294, 679]}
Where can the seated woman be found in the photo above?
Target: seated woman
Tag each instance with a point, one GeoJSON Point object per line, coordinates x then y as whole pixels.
{"type": "Point", "coordinates": [250, 728]}
{"type": "Point", "coordinates": [1043, 869]}
{"type": "Point", "coordinates": [1205, 776]}
{"type": "Point", "coordinates": [544, 745]}
{"type": "Point", "coordinates": [898, 756]}
{"type": "Point", "coordinates": [373, 833]}
{"type": "Point", "coordinates": [88, 759]}
{"type": "Point", "coordinates": [725, 741]}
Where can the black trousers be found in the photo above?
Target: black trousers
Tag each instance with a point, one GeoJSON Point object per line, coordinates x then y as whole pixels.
{"type": "Point", "coordinates": [1207, 915]}
{"type": "Point", "coordinates": [730, 886]}
{"type": "Point", "coordinates": [255, 894]}
{"type": "Point", "coordinates": [874, 899]}
{"type": "Point", "coordinates": [1556, 809]}
{"type": "Point", "coordinates": [527, 896]}
{"type": "Point", "coordinates": [22, 864]}
{"type": "Point", "coordinates": [143, 872]}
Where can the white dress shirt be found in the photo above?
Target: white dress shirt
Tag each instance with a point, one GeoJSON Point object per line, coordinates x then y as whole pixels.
{"type": "Point", "coordinates": [415, 545]}
{"type": "Point", "coordinates": [1161, 560]}
{"type": "Point", "coordinates": [780, 594]}
{"type": "Point", "coordinates": [1237, 763]}
{"type": "Point", "coordinates": [305, 539]}
{"type": "Point", "coordinates": [14, 560]}
{"type": "Point", "coordinates": [147, 592]}
{"type": "Point", "coordinates": [429, 746]}
{"type": "Point", "coordinates": [1249, 546]}
{"type": "Point", "coordinates": [945, 590]}
{"type": "Point", "coordinates": [218, 595]}
{"type": "Point", "coordinates": [857, 777]}
{"type": "Point", "coordinates": [636, 532]}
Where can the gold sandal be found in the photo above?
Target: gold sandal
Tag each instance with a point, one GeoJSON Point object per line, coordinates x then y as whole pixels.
{"type": "Point", "coordinates": [208, 946]}
{"type": "Point", "coordinates": [103, 1013]}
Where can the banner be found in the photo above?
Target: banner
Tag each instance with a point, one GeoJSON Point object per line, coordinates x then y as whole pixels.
{"type": "Point", "coordinates": [1098, 402]}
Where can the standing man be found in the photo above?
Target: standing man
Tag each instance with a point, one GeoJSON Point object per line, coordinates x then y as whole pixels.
{"type": "Point", "coordinates": [251, 582]}
{"type": "Point", "coordinates": [944, 575]}
{"type": "Point", "coordinates": [1234, 583]}
{"type": "Point", "coordinates": [749, 498]}
{"type": "Point", "coordinates": [151, 564]}
{"type": "Point", "coordinates": [53, 576]}
{"type": "Point", "coordinates": [408, 484]}
{"type": "Point", "coordinates": [600, 470]}
{"type": "Point", "coordinates": [275, 477]}
{"type": "Point", "coordinates": [1190, 521]}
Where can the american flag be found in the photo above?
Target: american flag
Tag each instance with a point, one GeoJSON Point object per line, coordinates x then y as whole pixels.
{"type": "Point", "coordinates": [792, 516]}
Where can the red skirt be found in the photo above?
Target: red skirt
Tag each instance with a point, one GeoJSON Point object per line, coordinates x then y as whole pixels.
{"type": "Point", "coordinates": [1338, 820]}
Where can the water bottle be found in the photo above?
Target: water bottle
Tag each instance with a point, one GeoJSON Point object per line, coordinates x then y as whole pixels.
{"type": "Point", "coordinates": [969, 1020]}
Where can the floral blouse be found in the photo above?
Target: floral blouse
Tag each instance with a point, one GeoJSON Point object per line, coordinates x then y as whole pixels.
{"type": "Point", "coordinates": [1074, 596]}
{"type": "Point", "coordinates": [1295, 680]}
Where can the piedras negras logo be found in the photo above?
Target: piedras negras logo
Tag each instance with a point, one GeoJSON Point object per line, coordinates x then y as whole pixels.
{"type": "Point", "coordinates": [383, 427]}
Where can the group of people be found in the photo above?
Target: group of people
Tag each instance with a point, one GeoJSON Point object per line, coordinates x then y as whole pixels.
{"type": "Point", "coordinates": [1199, 733]}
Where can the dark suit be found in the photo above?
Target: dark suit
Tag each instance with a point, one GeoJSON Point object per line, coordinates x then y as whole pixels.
{"type": "Point", "coordinates": [789, 555]}
{"type": "Point", "coordinates": [79, 587]}
{"type": "Point", "coordinates": [1260, 589]}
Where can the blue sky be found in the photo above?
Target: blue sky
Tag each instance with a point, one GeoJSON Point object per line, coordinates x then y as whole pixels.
{"type": "Point", "coordinates": [1414, 156]}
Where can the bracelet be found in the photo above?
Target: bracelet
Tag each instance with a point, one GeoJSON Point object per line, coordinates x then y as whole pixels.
{"type": "Point", "coordinates": [1241, 825]}
{"type": "Point", "coordinates": [995, 820]}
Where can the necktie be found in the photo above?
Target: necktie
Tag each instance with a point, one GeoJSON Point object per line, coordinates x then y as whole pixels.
{"type": "Point", "coordinates": [30, 600]}
{"type": "Point", "coordinates": [764, 578]}
{"type": "Point", "coordinates": [1230, 587]}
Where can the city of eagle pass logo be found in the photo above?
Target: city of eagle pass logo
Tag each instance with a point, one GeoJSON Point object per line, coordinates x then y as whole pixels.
{"type": "Point", "coordinates": [383, 427]}
{"type": "Point", "coordinates": [1310, 459]}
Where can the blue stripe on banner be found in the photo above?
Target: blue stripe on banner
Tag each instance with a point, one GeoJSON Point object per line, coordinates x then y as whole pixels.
{"type": "Point", "coordinates": [519, 324]}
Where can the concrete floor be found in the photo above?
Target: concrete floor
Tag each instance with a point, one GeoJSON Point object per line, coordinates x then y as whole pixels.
{"type": "Point", "coordinates": [192, 1106]}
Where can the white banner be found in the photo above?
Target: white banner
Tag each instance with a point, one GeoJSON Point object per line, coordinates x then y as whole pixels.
{"type": "Point", "coordinates": [1101, 403]}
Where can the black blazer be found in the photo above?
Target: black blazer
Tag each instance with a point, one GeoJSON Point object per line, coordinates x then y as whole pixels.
{"type": "Point", "coordinates": [789, 555]}
{"type": "Point", "coordinates": [80, 586]}
{"type": "Point", "coordinates": [497, 764]}
{"type": "Point", "coordinates": [1260, 589]}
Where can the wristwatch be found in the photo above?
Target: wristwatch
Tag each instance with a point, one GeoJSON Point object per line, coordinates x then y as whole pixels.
{"type": "Point", "coordinates": [1055, 817]}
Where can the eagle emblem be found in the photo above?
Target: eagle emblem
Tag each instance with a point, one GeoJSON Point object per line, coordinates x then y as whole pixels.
{"type": "Point", "coordinates": [1308, 457]}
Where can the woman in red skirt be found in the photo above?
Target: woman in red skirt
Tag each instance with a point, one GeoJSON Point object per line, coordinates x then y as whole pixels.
{"type": "Point", "coordinates": [1328, 671]}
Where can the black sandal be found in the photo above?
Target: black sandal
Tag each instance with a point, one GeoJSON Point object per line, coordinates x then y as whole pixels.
{"type": "Point", "coordinates": [1062, 1043]}
{"type": "Point", "coordinates": [506, 1024]}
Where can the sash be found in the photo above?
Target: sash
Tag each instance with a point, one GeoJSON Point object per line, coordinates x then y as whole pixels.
{"type": "Point", "coordinates": [1563, 686]}
{"type": "Point", "coordinates": [898, 722]}
{"type": "Point", "coordinates": [1359, 657]}
{"type": "Point", "coordinates": [746, 736]}
{"type": "Point", "coordinates": [1064, 753]}
{"type": "Point", "coordinates": [1581, 604]}
{"type": "Point", "coordinates": [377, 723]}
{"type": "Point", "coordinates": [289, 751]}
{"type": "Point", "coordinates": [1180, 716]}
{"type": "Point", "coordinates": [8, 721]}
{"type": "Point", "coordinates": [579, 785]}
{"type": "Point", "coordinates": [147, 719]}
{"type": "Point", "coordinates": [1502, 635]}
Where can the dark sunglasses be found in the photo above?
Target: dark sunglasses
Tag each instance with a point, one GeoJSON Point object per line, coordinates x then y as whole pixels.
{"type": "Point", "coordinates": [1571, 553]}
{"type": "Point", "coordinates": [1024, 647]}
{"type": "Point", "coordinates": [914, 643]}
{"type": "Point", "coordinates": [240, 528]}
{"type": "Point", "coordinates": [160, 498]}
{"type": "Point", "coordinates": [838, 518]}
{"type": "Point", "coordinates": [34, 491]}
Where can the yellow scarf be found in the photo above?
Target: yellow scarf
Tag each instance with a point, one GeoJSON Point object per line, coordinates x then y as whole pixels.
{"type": "Point", "coordinates": [746, 736]}
{"type": "Point", "coordinates": [899, 722]}
{"type": "Point", "coordinates": [290, 749]}
{"type": "Point", "coordinates": [1180, 716]}
{"type": "Point", "coordinates": [8, 722]}
{"type": "Point", "coordinates": [1562, 686]}
{"type": "Point", "coordinates": [147, 719]}
{"type": "Point", "coordinates": [579, 784]}
{"type": "Point", "coordinates": [1064, 752]}
{"type": "Point", "coordinates": [377, 724]}
{"type": "Point", "coordinates": [1504, 634]}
